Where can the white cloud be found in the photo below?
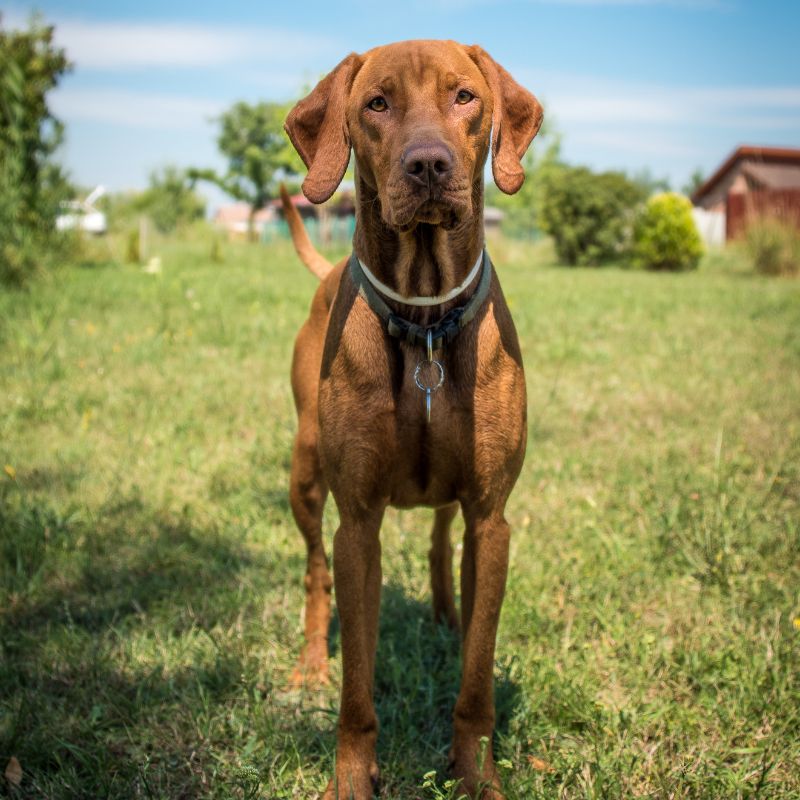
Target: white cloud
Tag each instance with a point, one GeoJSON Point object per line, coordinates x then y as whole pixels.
{"type": "Point", "coordinates": [134, 109]}
{"type": "Point", "coordinates": [142, 45]}
{"type": "Point", "coordinates": [574, 99]}
{"type": "Point", "coordinates": [636, 143]}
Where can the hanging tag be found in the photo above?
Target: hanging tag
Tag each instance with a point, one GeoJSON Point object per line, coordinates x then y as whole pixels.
{"type": "Point", "coordinates": [429, 390]}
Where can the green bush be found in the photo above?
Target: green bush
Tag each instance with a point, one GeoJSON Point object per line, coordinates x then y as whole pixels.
{"type": "Point", "coordinates": [665, 236]}
{"type": "Point", "coordinates": [589, 215]}
{"type": "Point", "coordinates": [773, 247]}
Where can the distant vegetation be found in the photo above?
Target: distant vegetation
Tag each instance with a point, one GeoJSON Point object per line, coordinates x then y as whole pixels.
{"type": "Point", "coordinates": [169, 202]}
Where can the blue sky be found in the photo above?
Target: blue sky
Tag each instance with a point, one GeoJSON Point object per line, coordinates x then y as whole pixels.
{"type": "Point", "coordinates": [669, 85]}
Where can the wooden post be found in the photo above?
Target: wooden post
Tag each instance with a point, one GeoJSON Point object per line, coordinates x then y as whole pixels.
{"type": "Point", "coordinates": [143, 239]}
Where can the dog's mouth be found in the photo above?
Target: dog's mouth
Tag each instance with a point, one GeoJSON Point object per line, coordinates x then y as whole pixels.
{"type": "Point", "coordinates": [433, 212]}
{"type": "Point", "coordinates": [443, 208]}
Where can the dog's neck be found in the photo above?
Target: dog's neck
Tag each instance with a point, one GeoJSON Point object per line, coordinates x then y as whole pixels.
{"type": "Point", "coordinates": [426, 261]}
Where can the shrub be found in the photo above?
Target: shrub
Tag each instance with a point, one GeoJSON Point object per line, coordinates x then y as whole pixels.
{"type": "Point", "coordinates": [773, 247]}
{"type": "Point", "coordinates": [665, 236]}
{"type": "Point", "coordinates": [588, 215]}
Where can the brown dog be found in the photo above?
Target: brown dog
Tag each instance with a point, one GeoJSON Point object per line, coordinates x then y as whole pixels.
{"type": "Point", "coordinates": [419, 117]}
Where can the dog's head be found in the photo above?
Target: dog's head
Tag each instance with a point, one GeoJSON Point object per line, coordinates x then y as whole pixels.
{"type": "Point", "coordinates": [419, 116]}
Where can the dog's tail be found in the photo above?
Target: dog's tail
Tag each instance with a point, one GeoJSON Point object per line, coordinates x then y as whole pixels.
{"type": "Point", "coordinates": [317, 264]}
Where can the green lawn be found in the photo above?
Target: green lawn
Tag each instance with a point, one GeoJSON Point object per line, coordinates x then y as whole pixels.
{"type": "Point", "coordinates": [150, 571]}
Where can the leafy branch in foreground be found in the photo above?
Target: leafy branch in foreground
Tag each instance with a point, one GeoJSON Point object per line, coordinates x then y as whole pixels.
{"type": "Point", "coordinates": [31, 184]}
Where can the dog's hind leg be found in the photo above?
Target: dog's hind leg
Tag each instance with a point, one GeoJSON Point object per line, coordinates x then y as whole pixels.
{"type": "Point", "coordinates": [307, 495]}
{"type": "Point", "coordinates": [441, 561]}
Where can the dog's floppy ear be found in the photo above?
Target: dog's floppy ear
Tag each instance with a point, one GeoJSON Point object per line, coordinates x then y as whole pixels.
{"type": "Point", "coordinates": [516, 118]}
{"type": "Point", "coordinates": [317, 126]}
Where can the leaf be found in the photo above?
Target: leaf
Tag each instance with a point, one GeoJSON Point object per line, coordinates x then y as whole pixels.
{"type": "Point", "coordinates": [13, 771]}
{"type": "Point", "coordinates": [10, 471]}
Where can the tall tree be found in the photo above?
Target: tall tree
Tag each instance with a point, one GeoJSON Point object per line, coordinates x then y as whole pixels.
{"type": "Point", "coordinates": [258, 151]}
{"type": "Point", "coordinates": [31, 184]}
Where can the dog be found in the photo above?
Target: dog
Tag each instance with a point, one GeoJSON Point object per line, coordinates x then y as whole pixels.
{"type": "Point", "coordinates": [407, 375]}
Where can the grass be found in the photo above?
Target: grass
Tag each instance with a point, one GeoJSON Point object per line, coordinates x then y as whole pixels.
{"type": "Point", "coordinates": [150, 571]}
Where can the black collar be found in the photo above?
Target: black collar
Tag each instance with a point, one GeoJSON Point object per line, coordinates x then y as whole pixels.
{"type": "Point", "coordinates": [442, 332]}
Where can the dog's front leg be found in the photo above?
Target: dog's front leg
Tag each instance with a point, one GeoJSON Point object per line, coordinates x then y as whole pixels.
{"type": "Point", "coordinates": [357, 581]}
{"type": "Point", "coordinates": [483, 580]}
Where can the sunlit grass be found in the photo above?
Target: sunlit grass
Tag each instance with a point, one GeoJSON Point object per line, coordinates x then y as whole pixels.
{"type": "Point", "coordinates": [150, 571]}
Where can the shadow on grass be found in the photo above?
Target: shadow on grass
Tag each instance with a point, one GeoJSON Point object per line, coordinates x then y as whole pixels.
{"type": "Point", "coordinates": [115, 653]}
{"type": "Point", "coordinates": [135, 661]}
{"type": "Point", "coordinates": [417, 677]}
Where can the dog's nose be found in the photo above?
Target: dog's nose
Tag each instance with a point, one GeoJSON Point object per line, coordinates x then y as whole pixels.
{"type": "Point", "coordinates": [427, 164]}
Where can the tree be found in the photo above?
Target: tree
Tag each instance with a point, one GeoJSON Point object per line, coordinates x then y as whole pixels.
{"type": "Point", "coordinates": [649, 184]}
{"type": "Point", "coordinates": [696, 180]}
{"type": "Point", "coordinates": [258, 151]}
{"type": "Point", "coordinates": [589, 215]}
{"type": "Point", "coordinates": [170, 201]}
{"type": "Point", "coordinates": [31, 184]}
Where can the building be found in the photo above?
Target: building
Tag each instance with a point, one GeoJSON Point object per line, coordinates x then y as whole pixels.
{"type": "Point", "coordinates": [492, 219]}
{"type": "Point", "coordinates": [235, 219]}
{"type": "Point", "coordinates": [752, 183]}
{"type": "Point", "coordinates": [330, 221]}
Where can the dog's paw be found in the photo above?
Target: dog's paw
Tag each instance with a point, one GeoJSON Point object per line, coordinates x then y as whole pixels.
{"type": "Point", "coordinates": [309, 676]}
{"type": "Point", "coordinates": [478, 781]}
{"type": "Point", "coordinates": [354, 780]}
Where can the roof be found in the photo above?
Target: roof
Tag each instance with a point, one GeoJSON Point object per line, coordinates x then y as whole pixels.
{"type": "Point", "coordinates": [786, 159]}
{"type": "Point", "coordinates": [298, 200]}
{"type": "Point", "coordinates": [774, 176]}
{"type": "Point", "coordinates": [240, 212]}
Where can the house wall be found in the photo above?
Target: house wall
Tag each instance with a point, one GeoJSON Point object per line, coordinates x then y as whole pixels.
{"type": "Point", "coordinates": [743, 209]}
{"type": "Point", "coordinates": [710, 225]}
{"type": "Point", "coordinates": [734, 180]}
{"type": "Point", "coordinates": [717, 198]}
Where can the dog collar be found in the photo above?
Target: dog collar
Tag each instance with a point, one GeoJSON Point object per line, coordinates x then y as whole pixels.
{"type": "Point", "coordinates": [436, 300]}
{"type": "Point", "coordinates": [432, 336]}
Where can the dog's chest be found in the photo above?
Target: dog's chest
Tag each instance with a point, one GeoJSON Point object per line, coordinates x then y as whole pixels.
{"type": "Point", "coordinates": [433, 458]}
{"type": "Point", "coordinates": [375, 435]}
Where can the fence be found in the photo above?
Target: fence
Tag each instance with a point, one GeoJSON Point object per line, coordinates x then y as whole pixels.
{"type": "Point", "coordinates": [322, 232]}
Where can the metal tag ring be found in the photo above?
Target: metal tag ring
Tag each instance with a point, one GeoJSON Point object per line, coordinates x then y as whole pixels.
{"type": "Point", "coordinates": [441, 376]}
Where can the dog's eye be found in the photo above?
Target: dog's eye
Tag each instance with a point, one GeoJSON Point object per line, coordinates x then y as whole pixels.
{"type": "Point", "coordinates": [378, 104]}
{"type": "Point", "coordinates": [463, 97]}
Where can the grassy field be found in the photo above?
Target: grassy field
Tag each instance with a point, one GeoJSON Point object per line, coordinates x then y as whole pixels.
{"type": "Point", "coordinates": [150, 571]}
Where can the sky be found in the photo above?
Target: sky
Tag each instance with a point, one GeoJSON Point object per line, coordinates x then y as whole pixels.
{"type": "Point", "coordinates": [665, 85]}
